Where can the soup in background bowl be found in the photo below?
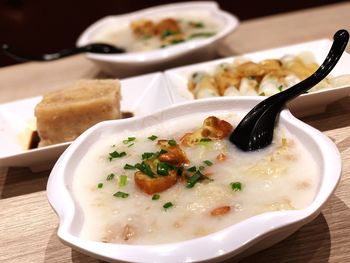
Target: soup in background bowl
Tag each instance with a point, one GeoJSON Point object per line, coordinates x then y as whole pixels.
{"type": "Point", "coordinates": [160, 37]}
{"type": "Point", "coordinates": [115, 193]}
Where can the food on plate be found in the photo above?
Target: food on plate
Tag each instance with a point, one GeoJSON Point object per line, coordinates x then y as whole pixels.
{"type": "Point", "coordinates": [149, 34]}
{"type": "Point", "coordinates": [64, 114]}
{"type": "Point", "coordinates": [182, 178]}
{"type": "Point", "coordinates": [244, 77]}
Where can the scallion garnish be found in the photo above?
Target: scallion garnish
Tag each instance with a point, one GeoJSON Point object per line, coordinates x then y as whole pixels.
{"type": "Point", "coordinates": [130, 139]}
{"type": "Point", "coordinates": [194, 179]}
{"type": "Point", "coordinates": [172, 142]}
{"type": "Point", "coordinates": [236, 186]}
{"type": "Point", "coordinates": [116, 154]}
{"type": "Point", "coordinates": [147, 155]}
{"type": "Point", "coordinates": [262, 94]}
{"type": "Point", "coordinates": [123, 180]}
{"type": "Point", "coordinates": [201, 34]}
{"type": "Point", "coordinates": [152, 138]}
{"type": "Point", "coordinates": [168, 205]}
{"type": "Point", "coordinates": [207, 162]}
{"type": "Point", "coordinates": [131, 144]}
{"type": "Point", "coordinates": [162, 168]}
{"type": "Point", "coordinates": [110, 177]}
{"type": "Point", "coordinates": [100, 185]}
{"type": "Point", "coordinates": [145, 168]}
{"type": "Point", "coordinates": [129, 167]}
{"type": "Point", "coordinates": [156, 154]}
{"type": "Point", "coordinates": [205, 139]}
{"type": "Point", "coordinates": [280, 88]}
{"type": "Point", "coordinates": [155, 197]}
{"type": "Point", "coordinates": [121, 194]}
{"type": "Point", "coordinates": [192, 169]}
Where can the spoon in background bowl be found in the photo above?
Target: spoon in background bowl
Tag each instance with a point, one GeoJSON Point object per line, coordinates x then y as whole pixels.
{"type": "Point", "coordinates": [255, 131]}
{"type": "Point", "coordinates": [100, 48]}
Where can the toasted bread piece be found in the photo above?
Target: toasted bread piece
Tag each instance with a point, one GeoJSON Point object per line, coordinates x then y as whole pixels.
{"type": "Point", "coordinates": [64, 114]}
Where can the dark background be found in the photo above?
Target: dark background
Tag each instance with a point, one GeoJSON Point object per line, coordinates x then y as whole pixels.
{"type": "Point", "coordinates": [44, 26]}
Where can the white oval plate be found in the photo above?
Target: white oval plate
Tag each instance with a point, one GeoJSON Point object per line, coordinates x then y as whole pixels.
{"type": "Point", "coordinates": [245, 237]}
{"type": "Point", "coordinates": [306, 104]}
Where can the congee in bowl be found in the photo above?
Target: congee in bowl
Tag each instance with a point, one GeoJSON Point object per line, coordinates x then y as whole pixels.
{"type": "Point", "coordinates": [165, 186]}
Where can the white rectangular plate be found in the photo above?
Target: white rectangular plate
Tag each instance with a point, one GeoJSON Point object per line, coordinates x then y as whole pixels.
{"type": "Point", "coordinates": [141, 95]}
{"type": "Point", "coordinates": [306, 104]}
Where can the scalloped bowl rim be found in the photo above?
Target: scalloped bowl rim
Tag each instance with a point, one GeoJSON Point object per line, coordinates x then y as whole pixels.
{"type": "Point", "coordinates": [159, 55]}
{"type": "Point", "coordinates": [218, 244]}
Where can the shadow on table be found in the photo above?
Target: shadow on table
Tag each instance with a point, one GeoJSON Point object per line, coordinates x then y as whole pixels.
{"type": "Point", "coordinates": [302, 246]}
{"type": "Point", "coordinates": [19, 181]}
{"type": "Point", "coordinates": [337, 115]}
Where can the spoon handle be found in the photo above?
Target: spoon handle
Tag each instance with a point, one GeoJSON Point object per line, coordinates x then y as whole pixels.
{"type": "Point", "coordinates": [341, 39]}
{"type": "Point", "coordinates": [100, 48]}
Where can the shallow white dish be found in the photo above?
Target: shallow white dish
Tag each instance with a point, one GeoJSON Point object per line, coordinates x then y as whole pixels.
{"type": "Point", "coordinates": [306, 104]}
{"type": "Point", "coordinates": [140, 95]}
{"type": "Point", "coordinates": [243, 238]}
{"type": "Point", "coordinates": [149, 61]}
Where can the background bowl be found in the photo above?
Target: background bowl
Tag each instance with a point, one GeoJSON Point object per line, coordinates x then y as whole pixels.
{"type": "Point", "coordinates": [134, 63]}
{"type": "Point", "coordinates": [236, 241]}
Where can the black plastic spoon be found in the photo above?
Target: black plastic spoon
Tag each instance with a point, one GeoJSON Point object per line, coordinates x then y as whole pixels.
{"type": "Point", "coordinates": [255, 131]}
{"type": "Point", "coordinates": [100, 48]}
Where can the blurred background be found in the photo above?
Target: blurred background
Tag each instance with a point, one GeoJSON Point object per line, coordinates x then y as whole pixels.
{"type": "Point", "coordinates": [44, 26]}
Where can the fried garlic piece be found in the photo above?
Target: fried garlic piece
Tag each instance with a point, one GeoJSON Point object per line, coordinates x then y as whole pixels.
{"type": "Point", "coordinates": [174, 154]}
{"type": "Point", "coordinates": [143, 28]}
{"type": "Point", "coordinates": [154, 185]}
{"type": "Point", "coordinates": [212, 128]}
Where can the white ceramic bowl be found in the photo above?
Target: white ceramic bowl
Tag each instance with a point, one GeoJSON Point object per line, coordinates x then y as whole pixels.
{"type": "Point", "coordinates": [122, 65]}
{"type": "Point", "coordinates": [233, 242]}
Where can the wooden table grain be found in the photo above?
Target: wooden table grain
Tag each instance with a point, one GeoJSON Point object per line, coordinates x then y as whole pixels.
{"type": "Point", "coordinates": [28, 225]}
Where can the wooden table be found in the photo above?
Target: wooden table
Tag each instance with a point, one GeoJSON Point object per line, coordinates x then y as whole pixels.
{"type": "Point", "coordinates": [28, 225]}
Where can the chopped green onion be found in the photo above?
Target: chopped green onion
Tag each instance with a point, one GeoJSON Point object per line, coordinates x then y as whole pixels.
{"type": "Point", "coordinates": [116, 154]}
{"type": "Point", "coordinates": [110, 177]}
{"type": "Point", "coordinates": [168, 205]}
{"type": "Point", "coordinates": [176, 41]}
{"type": "Point", "coordinates": [131, 144]}
{"type": "Point", "coordinates": [262, 94]}
{"type": "Point", "coordinates": [201, 34]}
{"type": "Point", "coordinates": [152, 138]}
{"type": "Point", "coordinates": [201, 168]}
{"type": "Point", "coordinates": [129, 167]}
{"type": "Point", "coordinates": [145, 168]}
{"type": "Point", "coordinates": [121, 194]}
{"type": "Point", "coordinates": [192, 169]}
{"type": "Point", "coordinates": [167, 33]}
{"type": "Point", "coordinates": [123, 180]}
{"type": "Point", "coordinates": [193, 179]}
{"type": "Point", "coordinates": [236, 186]}
{"type": "Point", "coordinates": [172, 142]}
{"type": "Point", "coordinates": [130, 139]}
{"type": "Point", "coordinates": [100, 185]}
{"type": "Point", "coordinates": [205, 139]}
{"type": "Point", "coordinates": [162, 168]}
{"type": "Point", "coordinates": [197, 24]}
{"type": "Point", "coordinates": [207, 162]}
{"type": "Point", "coordinates": [157, 154]}
{"type": "Point", "coordinates": [147, 155]}
{"type": "Point", "coordinates": [155, 197]}
{"type": "Point", "coordinates": [280, 88]}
